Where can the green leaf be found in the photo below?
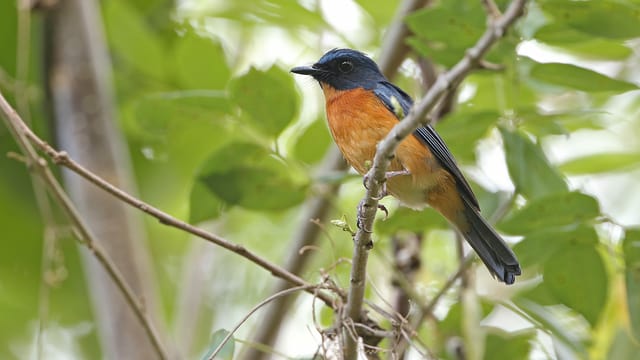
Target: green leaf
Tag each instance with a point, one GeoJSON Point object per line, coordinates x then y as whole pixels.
{"type": "Point", "coordinates": [248, 175]}
{"type": "Point", "coordinates": [462, 129]}
{"type": "Point", "coordinates": [503, 345]}
{"type": "Point", "coordinates": [576, 276]}
{"type": "Point", "coordinates": [183, 127]}
{"type": "Point", "coordinates": [575, 77]}
{"type": "Point", "coordinates": [435, 26]}
{"type": "Point", "coordinates": [565, 38]}
{"type": "Point", "coordinates": [268, 98]}
{"type": "Point", "coordinates": [561, 123]}
{"type": "Point", "coordinates": [200, 63]}
{"type": "Point", "coordinates": [631, 248]}
{"type": "Point", "coordinates": [601, 163]}
{"type": "Point", "coordinates": [131, 39]}
{"type": "Point", "coordinates": [550, 321]}
{"type": "Point", "coordinates": [405, 219]}
{"type": "Point", "coordinates": [603, 18]}
{"type": "Point", "coordinates": [313, 143]}
{"type": "Point", "coordinates": [538, 246]}
{"type": "Point", "coordinates": [226, 353]}
{"type": "Point", "coordinates": [529, 168]}
{"type": "Point", "coordinates": [203, 205]}
{"type": "Point", "coordinates": [551, 211]}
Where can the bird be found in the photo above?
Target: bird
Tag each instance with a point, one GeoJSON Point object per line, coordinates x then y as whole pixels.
{"type": "Point", "coordinates": [362, 106]}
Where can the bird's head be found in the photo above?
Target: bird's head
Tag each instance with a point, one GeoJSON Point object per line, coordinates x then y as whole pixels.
{"type": "Point", "coordinates": [343, 69]}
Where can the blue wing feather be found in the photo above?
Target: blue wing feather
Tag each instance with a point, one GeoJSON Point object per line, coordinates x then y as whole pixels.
{"type": "Point", "coordinates": [385, 91]}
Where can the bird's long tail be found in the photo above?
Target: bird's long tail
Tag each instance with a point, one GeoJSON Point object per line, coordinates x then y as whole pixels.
{"type": "Point", "coordinates": [493, 251]}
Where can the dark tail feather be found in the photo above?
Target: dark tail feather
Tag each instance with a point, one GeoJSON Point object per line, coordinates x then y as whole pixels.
{"type": "Point", "coordinates": [493, 251]}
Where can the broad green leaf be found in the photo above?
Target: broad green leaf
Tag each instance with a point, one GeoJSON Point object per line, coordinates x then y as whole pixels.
{"type": "Point", "coordinates": [549, 321]}
{"type": "Point", "coordinates": [132, 40]}
{"type": "Point", "coordinates": [575, 77]}
{"type": "Point", "coordinates": [268, 98]}
{"type": "Point", "coordinates": [382, 11]}
{"type": "Point", "coordinates": [601, 163]}
{"type": "Point", "coordinates": [576, 276]}
{"type": "Point", "coordinates": [435, 26]}
{"type": "Point", "coordinates": [565, 38]}
{"type": "Point", "coordinates": [561, 123]}
{"type": "Point", "coordinates": [538, 246]}
{"type": "Point", "coordinates": [226, 353]}
{"type": "Point", "coordinates": [499, 92]}
{"type": "Point", "coordinates": [183, 127]}
{"type": "Point", "coordinates": [529, 168]}
{"type": "Point", "coordinates": [462, 129]}
{"type": "Point", "coordinates": [451, 325]}
{"type": "Point", "coordinates": [551, 211]}
{"type": "Point", "coordinates": [248, 175]}
{"type": "Point", "coordinates": [631, 248]}
{"type": "Point", "coordinates": [203, 204]}
{"type": "Point", "coordinates": [163, 113]}
{"type": "Point", "coordinates": [200, 63]}
{"type": "Point", "coordinates": [313, 143]}
{"type": "Point", "coordinates": [405, 219]}
{"type": "Point", "coordinates": [603, 18]}
{"type": "Point", "coordinates": [508, 346]}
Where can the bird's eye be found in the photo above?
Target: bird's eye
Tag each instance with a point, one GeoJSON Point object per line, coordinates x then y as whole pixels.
{"type": "Point", "coordinates": [345, 66]}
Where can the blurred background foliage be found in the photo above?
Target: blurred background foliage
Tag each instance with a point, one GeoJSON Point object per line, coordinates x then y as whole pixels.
{"type": "Point", "coordinates": [221, 135]}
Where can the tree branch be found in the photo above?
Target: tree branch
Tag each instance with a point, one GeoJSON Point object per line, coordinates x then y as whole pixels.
{"type": "Point", "coordinates": [25, 136]}
{"type": "Point", "coordinates": [385, 153]}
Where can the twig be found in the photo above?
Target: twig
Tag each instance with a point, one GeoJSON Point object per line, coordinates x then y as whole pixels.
{"type": "Point", "coordinates": [385, 152]}
{"type": "Point", "coordinates": [256, 308]}
{"type": "Point", "coordinates": [40, 167]}
{"type": "Point", "coordinates": [62, 158]}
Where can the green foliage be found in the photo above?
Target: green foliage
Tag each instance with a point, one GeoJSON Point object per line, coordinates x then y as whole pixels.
{"type": "Point", "coordinates": [502, 345]}
{"type": "Point", "coordinates": [601, 163]}
{"type": "Point", "coordinates": [435, 26]}
{"type": "Point", "coordinates": [255, 178]}
{"type": "Point", "coordinates": [575, 77]}
{"type": "Point", "coordinates": [268, 98]}
{"type": "Point", "coordinates": [631, 248]}
{"type": "Point", "coordinates": [529, 168]}
{"type": "Point", "coordinates": [213, 135]}
{"type": "Point", "coordinates": [551, 211]}
{"type": "Point", "coordinates": [313, 143]}
{"type": "Point", "coordinates": [585, 297]}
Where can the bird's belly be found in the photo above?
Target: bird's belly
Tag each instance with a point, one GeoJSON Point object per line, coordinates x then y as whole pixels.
{"type": "Point", "coordinates": [404, 189]}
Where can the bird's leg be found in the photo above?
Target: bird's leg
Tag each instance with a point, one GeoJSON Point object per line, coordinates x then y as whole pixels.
{"type": "Point", "coordinates": [388, 175]}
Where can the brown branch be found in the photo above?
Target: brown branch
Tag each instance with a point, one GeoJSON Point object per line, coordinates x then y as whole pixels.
{"type": "Point", "coordinates": [40, 167]}
{"type": "Point", "coordinates": [384, 154]}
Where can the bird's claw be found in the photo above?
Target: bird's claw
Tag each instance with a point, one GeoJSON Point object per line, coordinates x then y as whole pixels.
{"type": "Point", "coordinates": [388, 175]}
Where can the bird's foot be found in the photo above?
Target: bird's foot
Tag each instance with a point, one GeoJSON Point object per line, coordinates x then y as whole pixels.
{"type": "Point", "coordinates": [388, 175]}
{"type": "Point", "coordinates": [359, 221]}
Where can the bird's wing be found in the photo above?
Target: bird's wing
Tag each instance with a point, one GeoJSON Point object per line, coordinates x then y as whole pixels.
{"type": "Point", "coordinates": [386, 92]}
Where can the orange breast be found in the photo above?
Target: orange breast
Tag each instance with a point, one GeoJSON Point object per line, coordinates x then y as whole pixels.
{"type": "Point", "coordinates": [358, 121]}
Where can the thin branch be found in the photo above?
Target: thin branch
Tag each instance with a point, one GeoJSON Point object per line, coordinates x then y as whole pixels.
{"type": "Point", "coordinates": [256, 308]}
{"type": "Point", "coordinates": [40, 167]}
{"type": "Point", "coordinates": [63, 159]}
{"type": "Point", "coordinates": [384, 154]}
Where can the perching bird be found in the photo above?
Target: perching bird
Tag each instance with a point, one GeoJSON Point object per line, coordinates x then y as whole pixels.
{"type": "Point", "coordinates": [361, 107]}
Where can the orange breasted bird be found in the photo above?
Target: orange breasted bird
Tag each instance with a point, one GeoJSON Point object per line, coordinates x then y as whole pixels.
{"type": "Point", "coordinates": [361, 106]}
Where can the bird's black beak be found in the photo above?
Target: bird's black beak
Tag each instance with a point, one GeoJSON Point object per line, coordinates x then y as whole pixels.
{"type": "Point", "coordinates": [305, 70]}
